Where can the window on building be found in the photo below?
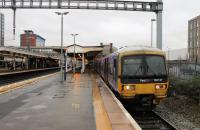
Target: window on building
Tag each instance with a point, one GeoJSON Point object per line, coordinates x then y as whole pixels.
{"type": "Point", "coordinates": [195, 24]}
{"type": "Point", "coordinates": [198, 22]}
{"type": "Point", "coordinates": [191, 45]}
{"type": "Point", "coordinates": [190, 25]}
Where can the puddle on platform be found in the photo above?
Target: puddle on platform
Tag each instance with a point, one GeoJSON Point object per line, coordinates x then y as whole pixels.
{"type": "Point", "coordinates": [38, 107]}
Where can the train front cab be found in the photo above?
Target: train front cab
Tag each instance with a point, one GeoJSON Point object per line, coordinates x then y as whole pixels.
{"type": "Point", "coordinates": [149, 90]}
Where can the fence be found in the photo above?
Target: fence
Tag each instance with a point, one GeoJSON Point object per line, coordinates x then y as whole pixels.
{"type": "Point", "coordinates": [183, 69]}
{"type": "Point", "coordinates": [185, 79]}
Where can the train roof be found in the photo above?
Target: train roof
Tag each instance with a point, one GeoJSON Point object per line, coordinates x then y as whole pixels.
{"type": "Point", "coordinates": [135, 49]}
{"type": "Point", "coordinates": [139, 48]}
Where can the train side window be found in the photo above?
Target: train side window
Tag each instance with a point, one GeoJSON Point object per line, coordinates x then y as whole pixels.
{"type": "Point", "coordinates": [115, 64]}
{"type": "Point", "coordinates": [114, 68]}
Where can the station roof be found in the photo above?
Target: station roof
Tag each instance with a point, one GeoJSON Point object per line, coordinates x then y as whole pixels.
{"type": "Point", "coordinates": [19, 52]}
{"type": "Point", "coordinates": [89, 51]}
{"type": "Point", "coordinates": [139, 48]}
{"type": "Point", "coordinates": [70, 48]}
{"type": "Point", "coordinates": [83, 49]}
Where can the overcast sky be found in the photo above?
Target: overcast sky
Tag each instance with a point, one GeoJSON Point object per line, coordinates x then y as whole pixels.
{"type": "Point", "coordinates": [95, 26]}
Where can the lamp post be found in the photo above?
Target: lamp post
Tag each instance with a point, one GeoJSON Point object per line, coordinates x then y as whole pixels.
{"type": "Point", "coordinates": [74, 36]}
{"type": "Point", "coordinates": [61, 49]}
{"type": "Point", "coordinates": [152, 20]}
{"type": "Point", "coordinates": [168, 58]}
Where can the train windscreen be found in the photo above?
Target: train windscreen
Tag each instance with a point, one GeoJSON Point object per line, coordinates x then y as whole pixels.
{"type": "Point", "coordinates": [143, 66]}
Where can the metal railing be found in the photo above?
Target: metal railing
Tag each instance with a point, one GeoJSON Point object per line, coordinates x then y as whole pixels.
{"type": "Point", "coordinates": [184, 70]}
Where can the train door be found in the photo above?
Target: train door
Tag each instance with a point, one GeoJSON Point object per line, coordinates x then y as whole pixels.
{"type": "Point", "coordinates": [102, 68]}
{"type": "Point", "coordinates": [99, 67]}
{"type": "Point", "coordinates": [115, 72]}
{"type": "Point", "coordinates": [106, 70]}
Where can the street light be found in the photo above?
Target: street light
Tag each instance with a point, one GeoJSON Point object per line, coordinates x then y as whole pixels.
{"type": "Point", "coordinates": [168, 58]}
{"type": "Point", "coordinates": [152, 20]}
{"type": "Point", "coordinates": [74, 36]}
{"type": "Point", "coordinates": [61, 50]}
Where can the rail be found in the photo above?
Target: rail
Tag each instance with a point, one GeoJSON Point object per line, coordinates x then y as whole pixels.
{"type": "Point", "coordinates": [149, 120]}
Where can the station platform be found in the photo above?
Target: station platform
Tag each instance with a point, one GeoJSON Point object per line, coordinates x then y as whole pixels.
{"type": "Point", "coordinates": [3, 70]}
{"type": "Point", "coordinates": [23, 71]}
{"type": "Point", "coordinates": [80, 103]}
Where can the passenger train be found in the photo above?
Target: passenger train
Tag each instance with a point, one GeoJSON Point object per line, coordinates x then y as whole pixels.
{"type": "Point", "coordinates": [137, 74]}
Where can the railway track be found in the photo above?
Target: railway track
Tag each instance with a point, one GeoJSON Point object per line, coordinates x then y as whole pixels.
{"type": "Point", "coordinates": [16, 77]}
{"type": "Point", "coordinates": [146, 119]}
{"type": "Point", "coordinates": [149, 120]}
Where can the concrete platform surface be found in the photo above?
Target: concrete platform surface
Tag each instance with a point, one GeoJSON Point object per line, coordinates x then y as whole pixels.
{"type": "Point", "coordinates": [117, 115]}
{"type": "Point", "coordinates": [82, 102]}
{"type": "Point", "coordinates": [50, 105]}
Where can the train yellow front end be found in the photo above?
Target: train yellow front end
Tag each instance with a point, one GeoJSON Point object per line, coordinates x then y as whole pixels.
{"type": "Point", "coordinates": [136, 74]}
{"type": "Point", "coordinates": [142, 75]}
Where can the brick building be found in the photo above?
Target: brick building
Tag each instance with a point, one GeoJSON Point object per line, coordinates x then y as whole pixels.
{"type": "Point", "coordinates": [29, 39]}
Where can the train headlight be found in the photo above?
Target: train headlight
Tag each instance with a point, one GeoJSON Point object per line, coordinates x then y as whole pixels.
{"type": "Point", "coordinates": [129, 87]}
{"type": "Point", "coordinates": [161, 86]}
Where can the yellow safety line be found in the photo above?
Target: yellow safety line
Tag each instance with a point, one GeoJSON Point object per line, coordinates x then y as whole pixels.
{"type": "Point", "coordinates": [13, 86]}
{"type": "Point", "coordinates": [101, 116]}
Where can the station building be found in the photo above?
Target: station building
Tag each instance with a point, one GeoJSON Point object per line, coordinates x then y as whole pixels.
{"type": "Point", "coordinates": [29, 39]}
{"type": "Point", "coordinates": [194, 39]}
{"type": "Point", "coordinates": [1, 29]}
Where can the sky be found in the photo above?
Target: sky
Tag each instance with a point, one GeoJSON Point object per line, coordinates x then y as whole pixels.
{"type": "Point", "coordinates": [122, 28]}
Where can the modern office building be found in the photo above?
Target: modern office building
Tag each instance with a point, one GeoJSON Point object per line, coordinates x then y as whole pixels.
{"type": "Point", "coordinates": [194, 39]}
{"type": "Point", "coordinates": [1, 29]}
{"type": "Point", "coordinates": [29, 39]}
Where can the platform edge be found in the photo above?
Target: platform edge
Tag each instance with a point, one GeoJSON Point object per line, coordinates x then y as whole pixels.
{"type": "Point", "coordinates": [129, 117]}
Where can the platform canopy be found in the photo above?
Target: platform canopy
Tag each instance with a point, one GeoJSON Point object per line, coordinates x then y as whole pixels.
{"type": "Point", "coordinates": [82, 49]}
{"type": "Point", "coordinates": [89, 51]}
{"type": "Point", "coordinates": [19, 52]}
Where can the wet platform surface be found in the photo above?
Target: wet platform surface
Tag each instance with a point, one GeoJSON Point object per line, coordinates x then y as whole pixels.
{"type": "Point", "coordinates": [117, 116]}
{"type": "Point", "coordinates": [50, 105]}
